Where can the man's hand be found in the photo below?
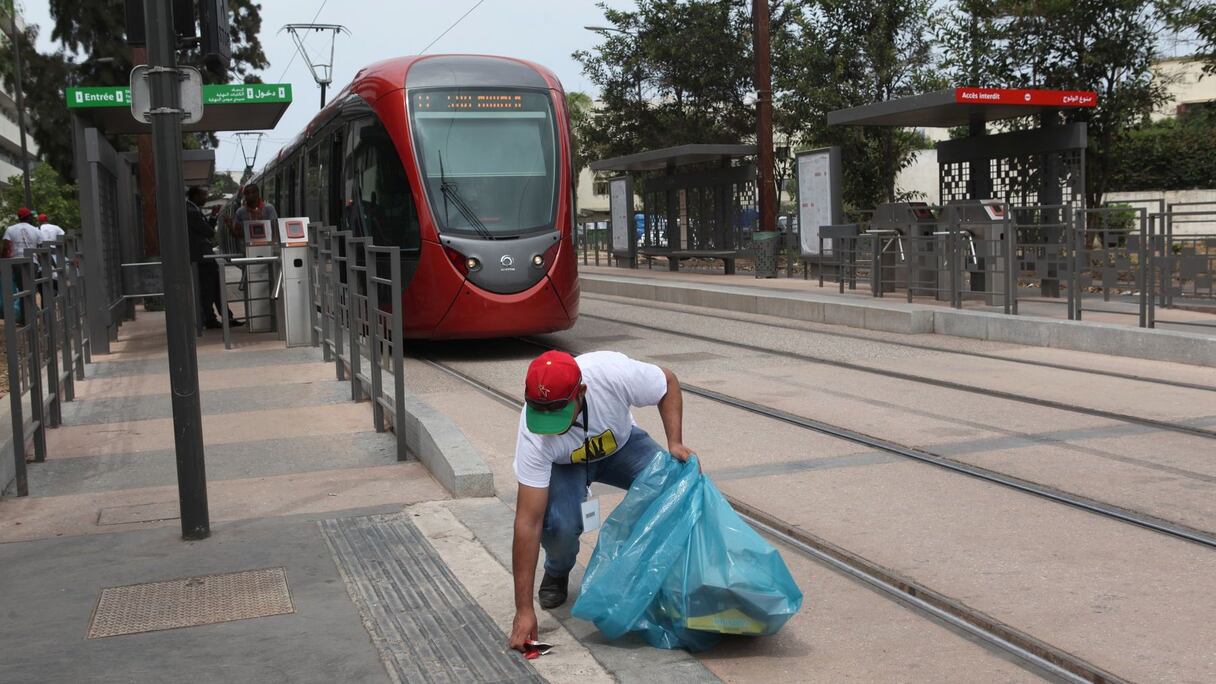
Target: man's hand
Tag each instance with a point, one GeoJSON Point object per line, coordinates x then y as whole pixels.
{"type": "Point", "coordinates": [679, 451]}
{"type": "Point", "coordinates": [523, 628]}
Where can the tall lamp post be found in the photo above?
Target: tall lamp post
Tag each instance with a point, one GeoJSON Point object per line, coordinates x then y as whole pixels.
{"type": "Point", "coordinates": [18, 73]}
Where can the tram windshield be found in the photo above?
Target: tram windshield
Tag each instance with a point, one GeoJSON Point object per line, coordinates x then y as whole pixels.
{"type": "Point", "coordinates": [488, 159]}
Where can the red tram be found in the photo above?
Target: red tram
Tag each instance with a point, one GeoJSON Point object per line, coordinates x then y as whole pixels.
{"type": "Point", "coordinates": [462, 161]}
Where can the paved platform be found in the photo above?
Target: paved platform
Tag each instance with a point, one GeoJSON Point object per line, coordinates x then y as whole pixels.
{"type": "Point", "coordinates": [300, 485]}
{"type": "Point", "coordinates": [1042, 322]}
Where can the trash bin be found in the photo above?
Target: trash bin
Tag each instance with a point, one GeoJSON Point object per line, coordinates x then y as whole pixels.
{"type": "Point", "coordinates": [765, 246]}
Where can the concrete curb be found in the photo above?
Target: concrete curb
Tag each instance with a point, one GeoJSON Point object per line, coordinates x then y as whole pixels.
{"type": "Point", "coordinates": [880, 316]}
{"type": "Point", "coordinates": [914, 319]}
{"type": "Point", "coordinates": [436, 442]}
{"type": "Point", "coordinates": [8, 468]}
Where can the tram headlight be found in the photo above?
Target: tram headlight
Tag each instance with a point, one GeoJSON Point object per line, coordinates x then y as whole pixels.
{"type": "Point", "coordinates": [538, 261]}
{"type": "Point", "coordinates": [472, 264]}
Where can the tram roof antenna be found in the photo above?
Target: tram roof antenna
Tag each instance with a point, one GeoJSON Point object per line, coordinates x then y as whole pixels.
{"type": "Point", "coordinates": [321, 69]}
{"type": "Point", "coordinates": [250, 158]}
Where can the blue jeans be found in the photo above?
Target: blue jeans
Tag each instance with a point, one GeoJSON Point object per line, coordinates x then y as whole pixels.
{"type": "Point", "coordinates": [568, 491]}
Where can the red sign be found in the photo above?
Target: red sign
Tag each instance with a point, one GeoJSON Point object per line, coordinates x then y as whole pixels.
{"type": "Point", "coordinates": [1030, 98]}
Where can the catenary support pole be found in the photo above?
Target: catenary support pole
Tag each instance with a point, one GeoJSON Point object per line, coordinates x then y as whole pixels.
{"type": "Point", "coordinates": [19, 74]}
{"type": "Point", "coordinates": [764, 117]}
{"type": "Point", "coordinates": [166, 114]}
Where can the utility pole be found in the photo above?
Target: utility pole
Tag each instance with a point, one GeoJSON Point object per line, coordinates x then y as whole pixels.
{"type": "Point", "coordinates": [18, 72]}
{"type": "Point", "coordinates": [764, 116]}
{"type": "Point", "coordinates": [180, 314]}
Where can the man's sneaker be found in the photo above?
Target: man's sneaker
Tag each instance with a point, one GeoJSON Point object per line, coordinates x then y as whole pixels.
{"type": "Point", "coordinates": [552, 591]}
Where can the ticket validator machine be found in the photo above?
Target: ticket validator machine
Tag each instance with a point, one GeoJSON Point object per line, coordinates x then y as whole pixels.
{"type": "Point", "coordinates": [295, 295]}
{"type": "Point", "coordinates": [259, 242]}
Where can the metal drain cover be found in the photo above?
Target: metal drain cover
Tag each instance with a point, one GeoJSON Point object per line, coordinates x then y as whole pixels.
{"type": "Point", "coordinates": [191, 602]}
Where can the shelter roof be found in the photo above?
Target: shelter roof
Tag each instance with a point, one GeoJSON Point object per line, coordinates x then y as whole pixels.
{"type": "Point", "coordinates": [960, 107]}
{"type": "Point", "coordinates": [682, 155]}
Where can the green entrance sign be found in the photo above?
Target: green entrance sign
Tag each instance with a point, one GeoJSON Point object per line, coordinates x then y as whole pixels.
{"type": "Point", "coordinates": [105, 96]}
{"type": "Point", "coordinates": [234, 93]}
{"type": "Point", "coordinates": [246, 93]}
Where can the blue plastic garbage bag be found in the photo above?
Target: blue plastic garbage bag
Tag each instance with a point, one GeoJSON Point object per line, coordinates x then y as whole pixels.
{"type": "Point", "coordinates": [675, 563]}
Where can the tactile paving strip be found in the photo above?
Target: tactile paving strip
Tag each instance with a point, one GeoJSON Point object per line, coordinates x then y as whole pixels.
{"type": "Point", "coordinates": [191, 602]}
{"type": "Point", "coordinates": [420, 617]}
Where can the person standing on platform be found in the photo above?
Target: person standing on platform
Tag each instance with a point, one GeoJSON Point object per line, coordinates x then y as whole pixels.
{"type": "Point", "coordinates": [576, 428]}
{"type": "Point", "coordinates": [19, 237]}
{"type": "Point", "coordinates": [201, 234]}
{"type": "Point", "coordinates": [50, 231]}
{"type": "Point", "coordinates": [254, 208]}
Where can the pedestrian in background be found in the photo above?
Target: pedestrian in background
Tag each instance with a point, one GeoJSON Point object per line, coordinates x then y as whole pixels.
{"type": "Point", "coordinates": [19, 237]}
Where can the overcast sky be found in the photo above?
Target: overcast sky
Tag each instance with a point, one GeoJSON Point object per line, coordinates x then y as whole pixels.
{"type": "Point", "coordinates": [544, 31]}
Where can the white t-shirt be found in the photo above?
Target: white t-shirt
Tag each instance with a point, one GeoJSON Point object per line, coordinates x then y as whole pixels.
{"type": "Point", "coordinates": [23, 236]}
{"type": "Point", "coordinates": [50, 232]}
{"type": "Point", "coordinates": [614, 383]}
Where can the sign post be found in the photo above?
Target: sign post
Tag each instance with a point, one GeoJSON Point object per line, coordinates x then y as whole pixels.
{"type": "Point", "coordinates": [620, 210]}
{"type": "Point", "coordinates": [166, 115]}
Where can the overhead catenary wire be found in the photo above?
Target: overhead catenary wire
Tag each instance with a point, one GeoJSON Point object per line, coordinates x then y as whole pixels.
{"type": "Point", "coordinates": [305, 39]}
{"type": "Point", "coordinates": [445, 31]}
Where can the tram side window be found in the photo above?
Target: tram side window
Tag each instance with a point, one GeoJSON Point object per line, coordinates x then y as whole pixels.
{"type": "Point", "coordinates": [313, 184]}
{"type": "Point", "coordinates": [380, 204]}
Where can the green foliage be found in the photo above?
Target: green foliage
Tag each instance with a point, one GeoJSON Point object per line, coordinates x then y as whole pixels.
{"type": "Point", "coordinates": [93, 51]}
{"type": "Point", "coordinates": [1107, 46]}
{"type": "Point", "coordinates": [580, 106]}
{"type": "Point", "coordinates": [836, 54]}
{"type": "Point", "coordinates": [52, 195]}
{"type": "Point", "coordinates": [1199, 18]}
{"type": "Point", "coordinates": [676, 73]}
{"type": "Point", "coordinates": [222, 184]}
{"type": "Point", "coordinates": [1173, 154]}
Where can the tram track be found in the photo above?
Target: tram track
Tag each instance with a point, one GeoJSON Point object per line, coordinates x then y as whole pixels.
{"type": "Point", "coordinates": [1036, 655]}
{"type": "Point", "coordinates": [664, 306]}
{"type": "Point", "coordinates": [1181, 428]}
{"type": "Point", "coordinates": [1055, 495]}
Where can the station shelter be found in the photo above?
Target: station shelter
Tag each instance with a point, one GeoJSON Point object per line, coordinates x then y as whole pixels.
{"type": "Point", "coordinates": [111, 208]}
{"type": "Point", "coordinates": [696, 202]}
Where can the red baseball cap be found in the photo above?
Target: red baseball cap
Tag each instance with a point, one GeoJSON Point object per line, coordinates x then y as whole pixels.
{"type": "Point", "coordinates": [23, 212]}
{"type": "Point", "coordinates": [42, 217]}
{"type": "Point", "coordinates": [550, 390]}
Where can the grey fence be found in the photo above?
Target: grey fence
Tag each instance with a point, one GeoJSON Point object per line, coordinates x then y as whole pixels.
{"type": "Point", "coordinates": [358, 320]}
{"type": "Point", "coordinates": [1118, 261]}
{"type": "Point", "coordinates": [46, 344]}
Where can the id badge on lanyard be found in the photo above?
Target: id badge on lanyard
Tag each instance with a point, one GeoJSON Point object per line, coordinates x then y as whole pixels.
{"type": "Point", "coordinates": [591, 504]}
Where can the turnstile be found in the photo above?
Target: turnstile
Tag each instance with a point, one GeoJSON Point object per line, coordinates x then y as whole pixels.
{"type": "Point", "coordinates": [983, 225]}
{"type": "Point", "coordinates": [904, 246]}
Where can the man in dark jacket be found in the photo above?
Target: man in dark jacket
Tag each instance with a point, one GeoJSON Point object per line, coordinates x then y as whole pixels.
{"type": "Point", "coordinates": [201, 234]}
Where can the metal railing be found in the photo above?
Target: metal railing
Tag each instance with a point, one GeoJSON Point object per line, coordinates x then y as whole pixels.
{"type": "Point", "coordinates": [359, 317]}
{"type": "Point", "coordinates": [46, 344]}
{"type": "Point", "coordinates": [1182, 268]}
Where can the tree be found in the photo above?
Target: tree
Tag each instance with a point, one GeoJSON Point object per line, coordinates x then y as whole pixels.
{"type": "Point", "coordinates": [52, 195]}
{"type": "Point", "coordinates": [93, 51]}
{"type": "Point", "coordinates": [1199, 18]}
{"type": "Point", "coordinates": [847, 53]}
{"type": "Point", "coordinates": [222, 184]}
{"type": "Point", "coordinates": [581, 109]}
{"type": "Point", "coordinates": [1107, 46]}
{"type": "Point", "coordinates": [674, 72]}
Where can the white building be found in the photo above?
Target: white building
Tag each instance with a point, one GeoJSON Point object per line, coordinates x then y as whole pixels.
{"type": "Point", "coordinates": [10, 141]}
